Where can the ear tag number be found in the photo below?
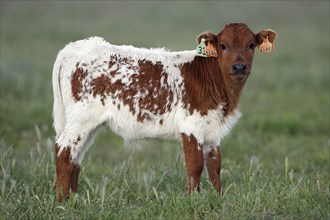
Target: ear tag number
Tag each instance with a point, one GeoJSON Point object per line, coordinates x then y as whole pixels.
{"type": "Point", "coordinates": [211, 51]}
{"type": "Point", "coordinates": [201, 48]}
{"type": "Point", "coordinates": [266, 46]}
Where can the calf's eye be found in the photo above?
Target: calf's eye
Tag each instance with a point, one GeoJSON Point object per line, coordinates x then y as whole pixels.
{"type": "Point", "coordinates": [251, 46]}
{"type": "Point", "coordinates": [223, 47]}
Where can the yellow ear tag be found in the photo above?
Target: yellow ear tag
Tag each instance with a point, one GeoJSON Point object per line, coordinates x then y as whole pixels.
{"type": "Point", "coordinates": [266, 46]}
{"type": "Point", "coordinates": [211, 51]}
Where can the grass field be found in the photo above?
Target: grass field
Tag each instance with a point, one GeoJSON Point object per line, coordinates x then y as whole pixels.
{"type": "Point", "coordinates": [275, 161]}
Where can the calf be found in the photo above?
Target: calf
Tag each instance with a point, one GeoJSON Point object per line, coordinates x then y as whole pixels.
{"type": "Point", "coordinates": [152, 93]}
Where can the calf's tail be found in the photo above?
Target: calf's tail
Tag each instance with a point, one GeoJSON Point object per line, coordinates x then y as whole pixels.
{"type": "Point", "coordinates": [58, 108]}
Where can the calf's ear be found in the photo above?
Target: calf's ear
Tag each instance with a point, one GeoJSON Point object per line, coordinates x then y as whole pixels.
{"type": "Point", "coordinates": [208, 36]}
{"type": "Point", "coordinates": [210, 44]}
{"type": "Point", "coordinates": [265, 40]}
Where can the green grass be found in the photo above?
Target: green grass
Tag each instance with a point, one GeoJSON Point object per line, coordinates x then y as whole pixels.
{"type": "Point", "coordinates": [275, 161]}
{"type": "Point", "coordinates": [141, 188]}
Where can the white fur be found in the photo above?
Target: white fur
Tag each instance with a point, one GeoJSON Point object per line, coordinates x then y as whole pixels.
{"type": "Point", "coordinates": [82, 118]}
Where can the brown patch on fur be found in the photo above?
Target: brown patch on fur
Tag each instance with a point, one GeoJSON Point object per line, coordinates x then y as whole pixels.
{"type": "Point", "coordinates": [213, 163]}
{"type": "Point", "coordinates": [194, 161]}
{"type": "Point", "coordinates": [150, 81]}
{"type": "Point", "coordinates": [154, 97]}
{"type": "Point", "coordinates": [100, 85]}
{"type": "Point", "coordinates": [112, 61]}
{"type": "Point", "coordinates": [204, 89]}
{"type": "Point", "coordinates": [77, 140]}
{"type": "Point", "coordinates": [77, 83]}
{"type": "Point", "coordinates": [64, 167]}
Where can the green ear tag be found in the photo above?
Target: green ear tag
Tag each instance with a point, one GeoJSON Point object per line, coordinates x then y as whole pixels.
{"type": "Point", "coordinates": [201, 48]}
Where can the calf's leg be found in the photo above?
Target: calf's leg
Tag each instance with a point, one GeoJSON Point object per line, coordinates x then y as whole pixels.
{"type": "Point", "coordinates": [74, 178]}
{"type": "Point", "coordinates": [194, 161]}
{"type": "Point", "coordinates": [213, 163]}
{"type": "Point", "coordinates": [70, 149]}
{"type": "Point", "coordinates": [64, 168]}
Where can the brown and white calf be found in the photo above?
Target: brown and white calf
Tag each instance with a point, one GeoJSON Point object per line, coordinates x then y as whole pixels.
{"type": "Point", "coordinates": [152, 93]}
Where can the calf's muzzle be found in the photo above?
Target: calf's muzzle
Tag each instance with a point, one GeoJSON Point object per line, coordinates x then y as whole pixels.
{"type": "Point", "coordinates": [239, 68]}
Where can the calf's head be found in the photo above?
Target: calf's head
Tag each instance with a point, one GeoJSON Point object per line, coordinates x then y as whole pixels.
{"type": "Point", "coordinates": [234, 48]}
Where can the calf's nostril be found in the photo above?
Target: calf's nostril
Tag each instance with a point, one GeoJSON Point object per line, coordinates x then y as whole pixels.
{"type": "Point", "coordinates": [239, 67]}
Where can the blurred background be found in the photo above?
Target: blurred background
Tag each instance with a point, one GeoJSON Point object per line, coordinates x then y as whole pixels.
{"type": "Point", "coordinates": [285, 103]}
